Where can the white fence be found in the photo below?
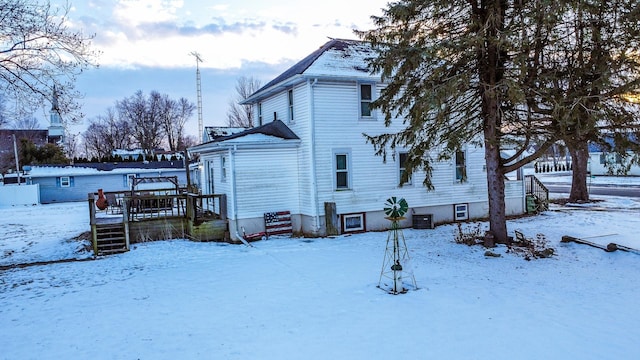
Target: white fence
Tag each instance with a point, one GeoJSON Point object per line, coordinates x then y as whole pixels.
{"type": "Point", "coordinates": [19, 195]}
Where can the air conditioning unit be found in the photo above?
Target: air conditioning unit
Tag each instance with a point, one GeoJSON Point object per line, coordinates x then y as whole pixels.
{"type": "Point", "coordinates": [423, 221]}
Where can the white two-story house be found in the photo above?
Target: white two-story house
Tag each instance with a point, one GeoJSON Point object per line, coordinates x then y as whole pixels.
{"type": "Point", "coordinates": [308, 154]}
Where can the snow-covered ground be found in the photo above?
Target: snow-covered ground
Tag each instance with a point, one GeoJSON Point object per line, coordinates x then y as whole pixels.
{"type": "Point", "coordinates": [318, 298]}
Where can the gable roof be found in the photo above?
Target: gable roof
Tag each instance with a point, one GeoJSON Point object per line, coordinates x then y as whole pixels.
{"type": "Point", "coordinates": [336, 58]}
{"type": "Point", "coordinates": [274, 129]}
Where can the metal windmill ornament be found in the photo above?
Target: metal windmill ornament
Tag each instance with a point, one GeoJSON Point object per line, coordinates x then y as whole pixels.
{"type": "Point", "coordinates": [396, 257]}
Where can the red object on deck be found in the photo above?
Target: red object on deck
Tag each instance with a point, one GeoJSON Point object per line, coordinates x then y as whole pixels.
{"type": "Point", "coordinates": [101, 203]}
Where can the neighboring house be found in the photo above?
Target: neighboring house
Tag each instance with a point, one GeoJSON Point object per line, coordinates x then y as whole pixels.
{"type": "Point", "coordinates": [74, 183]}
{"type": "Point", "coordinates": [602, 162]}
{"type": "Point", "coordinates": [308, 156]}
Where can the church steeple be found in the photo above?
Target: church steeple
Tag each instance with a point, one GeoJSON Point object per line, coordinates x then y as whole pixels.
{"type": "Point", "coordinates": [54, 102]}
{"type": "Point", "coordinates": [56, 129]}
{"type": "Point", "coordinates": [54, 113]}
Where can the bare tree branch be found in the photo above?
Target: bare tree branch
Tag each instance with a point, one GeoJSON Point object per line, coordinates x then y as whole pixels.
{"type": "Point", "coordinates": [242, 115]}
{"type": "Point", "coordinates": [39, 50]}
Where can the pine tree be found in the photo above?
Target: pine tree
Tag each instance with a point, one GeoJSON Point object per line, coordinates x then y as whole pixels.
{"type": "Point", "coordinates": [459, 72]}
{"type": "Point", "coordinates": [499, 74]}
{"type": "Point", "coordinates": [592, 68]}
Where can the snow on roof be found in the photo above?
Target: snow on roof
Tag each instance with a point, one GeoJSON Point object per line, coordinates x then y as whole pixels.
{"type": "Point", "coordinates": [45, 171]}
{"type": "Point", "coordinates": [215, 132]}
{"type": "Point", "coordinates": [336, 58]}
{"type": "Point", "coordinates": [254, 138]}
{"type": "Point", "coordinates": [344, 58]}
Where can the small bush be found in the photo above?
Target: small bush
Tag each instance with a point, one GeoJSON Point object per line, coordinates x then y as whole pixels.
{"type": "Point", "coordinates": [469, 235]}
{"type": "Point", "coordinates": [537, 248]}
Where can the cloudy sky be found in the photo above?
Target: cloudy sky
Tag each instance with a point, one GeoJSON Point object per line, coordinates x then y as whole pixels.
{"type": "Point", "coordinates": [146, 45]}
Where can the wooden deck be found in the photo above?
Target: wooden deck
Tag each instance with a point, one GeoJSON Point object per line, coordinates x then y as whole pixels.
{"type": "Point", "coordinates": [153, 216]}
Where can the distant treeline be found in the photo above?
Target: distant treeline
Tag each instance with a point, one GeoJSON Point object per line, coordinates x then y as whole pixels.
{"type": "Point", "coordinates": [118, 158]}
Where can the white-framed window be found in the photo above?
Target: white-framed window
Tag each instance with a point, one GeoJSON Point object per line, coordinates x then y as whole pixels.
{"type": "Point", "coordinates": [259, 114]}
{"type": "Point", "coordinates": [366, 97]}
{"type": "Point", "coordinates": [342, 169]}
{"type": "Point", "coordinates": [461, 166]}
{"type": "Point", "coordinates": [65, 181]}
{"type": "Point", "coordinates": [290, 100]}
{"type": "Point", "coordinates": [223, 169]}
{"type": "Point", "coordinates": [402, 162]}
{"type": "Point", "coordinates": [461, 212]}
{"type": "Point", "coordinates": [353, 222]}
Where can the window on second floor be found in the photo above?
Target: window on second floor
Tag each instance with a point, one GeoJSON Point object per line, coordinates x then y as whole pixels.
{"type": "Point", "coordinates": [461, 166]}
{"type": "Point", "coordinates": [366, 97]}
{"type": "Point", "coordinates": [290, 99]}
{"type": "Point", "coordinates": [402, 161]}
{"type": "Point", "coordinates": [259, 114]}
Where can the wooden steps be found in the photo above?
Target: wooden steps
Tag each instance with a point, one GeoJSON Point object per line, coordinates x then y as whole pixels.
{"type": "Point", "coordinates": [537, 194]}
{"type": "Point", "coordinates": [110, 239]}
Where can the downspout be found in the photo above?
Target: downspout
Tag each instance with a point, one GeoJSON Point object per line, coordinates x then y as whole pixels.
{"type": "Point", "coordinates": [232, 160]}
{"type": "Point", "coordinates": [314, 178]}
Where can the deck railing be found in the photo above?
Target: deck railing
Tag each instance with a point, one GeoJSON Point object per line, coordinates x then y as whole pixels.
{"type": "Point", "coordinates": [147, 206]}
{"type": "Point", "coordinates": [150, 206]}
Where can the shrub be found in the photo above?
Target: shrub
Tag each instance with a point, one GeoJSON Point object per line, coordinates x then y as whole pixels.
{"type": "Point", "coordinates": [531, 248]}
{"type": "Point", "coordinates": [469, 235]}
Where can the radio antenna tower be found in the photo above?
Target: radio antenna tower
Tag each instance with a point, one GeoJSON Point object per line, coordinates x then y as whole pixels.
{"type": "Point", "coordinates": [200, 125]}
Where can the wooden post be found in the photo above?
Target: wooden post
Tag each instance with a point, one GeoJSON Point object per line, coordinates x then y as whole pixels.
{"type": "Point", "coordinates": [190, 206]}
{"type": "Point", "coordinates": [332, 224]}
{"type": "Point", "coordinates": [185, 161]}
{"type": "Point", "coordinates": [125, 221]}
{"type": "Point", "coordinates": [92, 223]}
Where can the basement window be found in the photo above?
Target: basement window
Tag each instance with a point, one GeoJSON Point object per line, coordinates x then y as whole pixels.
{"type": "Point", "coordinates": [353, 222]}
{"type": "Point", "coordinates": [461, 212]}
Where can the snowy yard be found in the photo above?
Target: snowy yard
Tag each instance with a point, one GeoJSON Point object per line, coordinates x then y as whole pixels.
{"type": "Point", "coordinates": [317, 298]}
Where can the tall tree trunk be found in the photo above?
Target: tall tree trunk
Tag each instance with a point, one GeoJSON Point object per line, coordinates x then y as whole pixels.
{"type": "Point", "coordinates": [579, 156]}
{"type": "Point", "coordinates": [491, 71]}
{"type": "Point", "coordinates": [495, 183]}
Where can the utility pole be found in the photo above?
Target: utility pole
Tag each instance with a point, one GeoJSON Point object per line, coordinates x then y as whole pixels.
{"type": "Point", "coordinates": [15, 152]}
{"type": "Point", "coordinates": [200, 125]}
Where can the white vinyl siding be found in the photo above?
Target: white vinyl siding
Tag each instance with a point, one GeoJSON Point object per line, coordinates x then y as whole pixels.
{"type": "Point", "coordinates": [333, 108]}
{"type": "Point", "coordinates": [263, 188]}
